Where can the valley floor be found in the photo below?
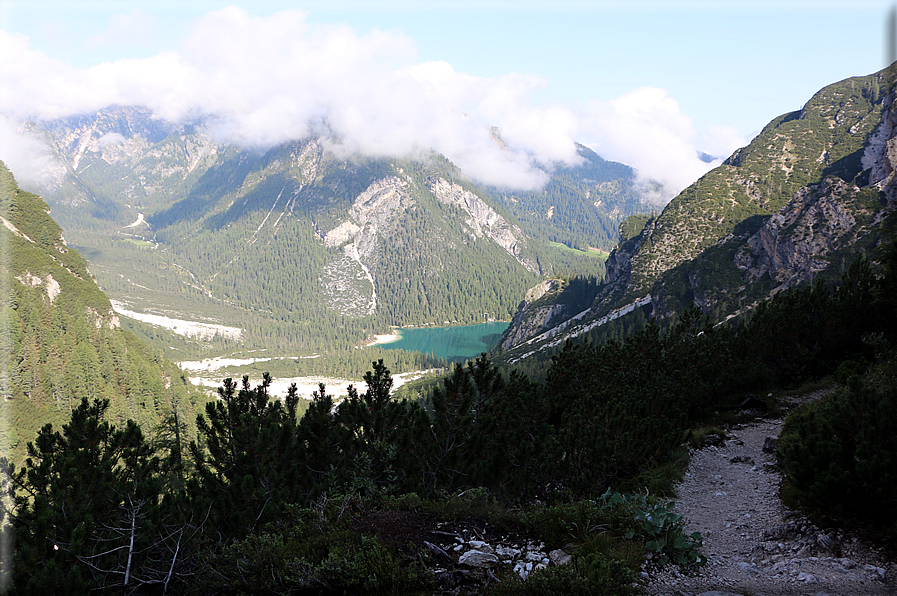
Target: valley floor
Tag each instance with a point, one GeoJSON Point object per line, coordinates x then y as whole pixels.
{"type": "Point", "coordinates": [336, 387]}
{"type": "Point", "coordinates": [754, 543]}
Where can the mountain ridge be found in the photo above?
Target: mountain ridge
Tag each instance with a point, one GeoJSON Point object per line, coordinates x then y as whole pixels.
{"type": "Point", "coordinates": [292, 242]}
{"type": "Point", "coordinates": [810, 192]}
{"type": "Point", "coordinates": [62, 339]}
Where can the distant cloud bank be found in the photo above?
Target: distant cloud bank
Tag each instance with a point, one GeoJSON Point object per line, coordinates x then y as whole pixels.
{"type": "Point", "coordinates": [271, 79]}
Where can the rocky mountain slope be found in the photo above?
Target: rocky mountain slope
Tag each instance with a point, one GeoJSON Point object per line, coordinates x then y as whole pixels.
{"type": "Point", "coordinates": [291, 243]}
{"type": "Point", "coordinates": [62, 340]}
{"type": "Point", "coordinates": [810, 192]}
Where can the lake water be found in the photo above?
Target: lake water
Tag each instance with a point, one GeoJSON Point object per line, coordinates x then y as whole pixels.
{"type": "Point", "coordinates": [452, 343]}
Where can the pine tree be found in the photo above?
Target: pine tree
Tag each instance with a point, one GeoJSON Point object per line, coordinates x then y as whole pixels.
{"type": "Point", "coordinates": [84, 506]}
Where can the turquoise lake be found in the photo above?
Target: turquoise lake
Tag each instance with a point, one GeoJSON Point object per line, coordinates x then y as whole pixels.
{"type": "Point", "coordinates": [452, 343]}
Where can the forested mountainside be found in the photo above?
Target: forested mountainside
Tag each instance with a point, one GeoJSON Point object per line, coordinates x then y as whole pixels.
{"type": "Point", "coordinates": [814, 189]}
{"type": "Point", "coordinates": [61, 339]}
{"type": "Point", "coordinates": [581, 206]}
{"type": "Point", "coordinates": [307, 251]}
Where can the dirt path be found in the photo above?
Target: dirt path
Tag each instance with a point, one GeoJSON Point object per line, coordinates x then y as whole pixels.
{"type": "Point", "coordinates": [755, 545]}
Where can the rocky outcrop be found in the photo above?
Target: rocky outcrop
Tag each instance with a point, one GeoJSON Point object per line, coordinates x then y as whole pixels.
{"type": "Point", "coordinates": [880, 155]}
{"type": "Point", "coordinates": [573, 327]}
{"type": "Point", "coordinates": [539, 324]}
{"type": "Point", "coordinates": [307, 158]}
{"type": "Point", "coordinates": [793, 245]}
{"type": "Point", "coordinates": [372, 211]}
{"type": "Point", "coordinates": [528, 322]}
{"type": "Point", "coordinates": [51, 286]}
{"type": "Point", "coordinates": [483, 220]}
{"type": "Point", "coordinates": [347, 280]}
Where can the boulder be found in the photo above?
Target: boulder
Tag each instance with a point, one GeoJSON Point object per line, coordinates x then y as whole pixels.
{"type": "Point", "coordinates": [506, 552]}
{"type": "Point", "coordinates": [559, 557]}
{"type": "Point", "coordinates": [481, 546]}
{"type": "Point", "coordinates": [478, 559]}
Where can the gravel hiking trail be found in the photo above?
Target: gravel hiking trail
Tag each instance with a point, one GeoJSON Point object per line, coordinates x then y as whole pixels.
{"type": "Point", "coordinates": [755, 545]}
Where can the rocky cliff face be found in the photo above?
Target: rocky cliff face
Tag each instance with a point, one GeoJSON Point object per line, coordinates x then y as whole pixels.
{"type": "Point", "coordinates": [483, 220]}
{"type": "Point", "coordinates": [372, 210]}
{"type": "Point", "coordinates": [348, 280]}
{"type": "Point", "coordinates": [794, 244]}
{"type": "Point", "coordinates": [531, 320]}
{"type": "Point", "coordinates": [151, 156]}
{"type": "Point", "coordinates": [880, 155]}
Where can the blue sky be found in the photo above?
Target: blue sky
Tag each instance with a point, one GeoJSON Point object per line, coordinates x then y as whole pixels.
{"type": "Point", "coordinates": [644, 82]}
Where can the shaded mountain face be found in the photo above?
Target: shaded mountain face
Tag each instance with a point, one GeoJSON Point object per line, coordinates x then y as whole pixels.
{"type": "Point", "coordinates": [303, 249]}
{"type": "Point", "coordinates": [61, 339]}
{"type": "Point", "coordinates": [813, 190]}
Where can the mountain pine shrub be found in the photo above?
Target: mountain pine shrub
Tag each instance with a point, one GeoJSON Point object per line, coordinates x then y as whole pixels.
{"type": "Point", "coordinates": [839, 455]}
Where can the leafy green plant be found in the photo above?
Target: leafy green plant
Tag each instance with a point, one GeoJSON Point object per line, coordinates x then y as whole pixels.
{"type": "Point", "coordinates": [661, 528]}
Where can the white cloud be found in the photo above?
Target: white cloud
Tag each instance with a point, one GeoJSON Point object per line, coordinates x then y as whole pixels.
{"type": "Point", "coordinates": [111, 138]}
{"type": "Point", "coordinates": [26, 157]}
{"type": "Point", "coordinates": [646, 129]}
{"type": "Point", "coordinates": [722, 141]}
{"type": "Point", "coordinates": [266, 80]}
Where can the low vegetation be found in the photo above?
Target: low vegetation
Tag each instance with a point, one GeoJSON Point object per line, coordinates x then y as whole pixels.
{"type": "Point", "coordinates": [839, 454]}
{"type": "Point", "coordinates": [267, 501]}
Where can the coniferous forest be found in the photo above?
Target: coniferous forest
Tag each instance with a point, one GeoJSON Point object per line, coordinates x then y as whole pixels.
{"type": "Point", "coordinates": [264, 500]}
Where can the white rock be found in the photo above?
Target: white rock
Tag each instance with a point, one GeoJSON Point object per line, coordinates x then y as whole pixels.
{"type": "Point", "coordinates": [559, 557]}
{"type": "Point", "coordinates": [506, 552]}
{"type": "Point", "coordinates": [877, 571]}
{"type": "Point", "coordinates": [847, 563]}
{"type": "Point", "coordinates": [475, 558]}
{"type": "Point", "coordinates": [481, 546]}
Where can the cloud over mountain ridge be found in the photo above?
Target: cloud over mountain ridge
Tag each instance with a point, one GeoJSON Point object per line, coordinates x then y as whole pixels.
{"type": "Point", "coordinates": [266, 80]}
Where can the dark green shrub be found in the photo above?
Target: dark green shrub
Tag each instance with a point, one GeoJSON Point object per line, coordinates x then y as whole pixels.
{"type": "Point", "coordinates": [312, 554]}
{"type": "Point", "coordinates": [583, 576]}
{"type": "Point", "coordinates": [849, 369]}
{"type": "Point", "coordinates": [839, 455]}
